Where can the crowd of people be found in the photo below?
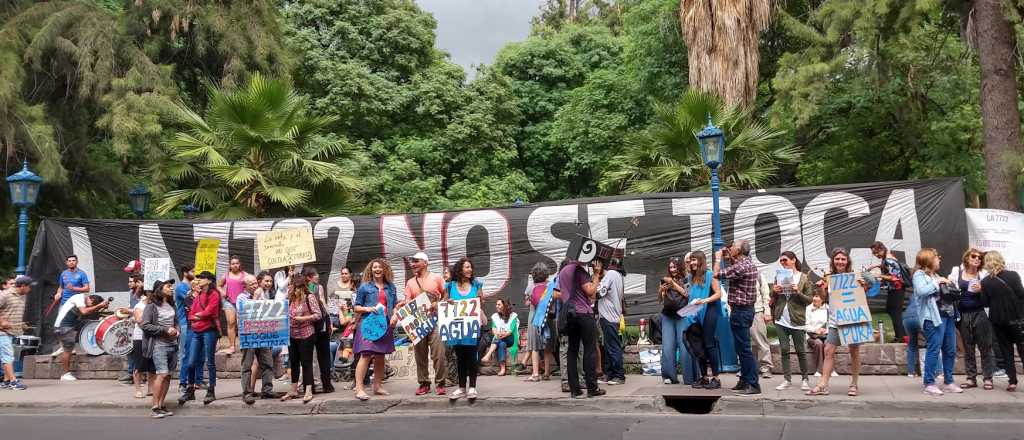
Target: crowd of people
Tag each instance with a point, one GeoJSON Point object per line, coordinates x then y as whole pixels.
{"type": "Point", "coordinates": [980, 302]}
{"type": "Point", "coordinates": [575, 324]}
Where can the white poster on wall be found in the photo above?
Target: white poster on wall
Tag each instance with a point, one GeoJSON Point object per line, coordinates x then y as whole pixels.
{"type": "Point", "coordinates": [998, 230]}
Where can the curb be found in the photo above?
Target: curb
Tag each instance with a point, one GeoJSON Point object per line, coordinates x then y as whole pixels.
{"type": "Point", "coordinates": [874, 409]}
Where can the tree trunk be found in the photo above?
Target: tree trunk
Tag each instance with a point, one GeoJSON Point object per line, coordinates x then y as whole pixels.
{"type": "Point", "coordinates": [1000, 117]}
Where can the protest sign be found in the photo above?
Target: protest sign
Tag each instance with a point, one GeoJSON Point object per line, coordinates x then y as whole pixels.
{"type": "Point", "coordinates": [847, 301]}
{"type": "Point", "coordinates": [783, 277]}
{"type": "Point", "coordinates": [856, 333]}
{"type": "Point", "coordinates": [458, 322]}
{"type": "Point", "coordinates": [262, 323]}
{"type": "Point", "coordinates": [206, 256]}
{"type": "Point", "coordinates": [156, 269]}
{"type": "Point", "coordinates": [417, 321]}
{"type": "Point", "coordinates": [285, 247]}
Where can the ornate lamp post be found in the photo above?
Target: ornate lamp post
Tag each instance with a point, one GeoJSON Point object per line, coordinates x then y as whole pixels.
{"type": "Point", "coordinates": [712, 150]}
{"type": "Point", "coordinates": [190, 211]}
{"type": "Point", "coordinates": [24, 186]}
{"type": "Point", "coordinates": [139, 200]}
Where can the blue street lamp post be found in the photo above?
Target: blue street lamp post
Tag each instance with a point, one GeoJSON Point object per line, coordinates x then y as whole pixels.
{"type": "Point", "coordinates": [24, 186]}
{"type": "Point", "coordinates": [139, 200]}
{"type": "Point", "coordinates": [712, 150]}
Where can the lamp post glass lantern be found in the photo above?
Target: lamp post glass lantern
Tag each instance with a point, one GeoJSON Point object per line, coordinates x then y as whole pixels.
{"type": "Point", "coordinates": [139, 200]}
{"type": "Point", "coordinates": [24, 186]}
{"type": "Point", "coordinates": [712, 150]}
{"type": "Point", "coordinates": [190, 210]}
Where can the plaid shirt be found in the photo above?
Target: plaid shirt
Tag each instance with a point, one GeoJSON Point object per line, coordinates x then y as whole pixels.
{"type": "Point", "coordinates": [742, 277]}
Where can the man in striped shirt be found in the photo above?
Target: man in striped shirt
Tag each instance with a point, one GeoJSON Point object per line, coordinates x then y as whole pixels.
{"type": "Point", "coordinates": [741, 276]}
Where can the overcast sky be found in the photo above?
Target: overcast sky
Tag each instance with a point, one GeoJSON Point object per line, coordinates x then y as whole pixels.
{"type": "Point", "coordinates": [472, 31]}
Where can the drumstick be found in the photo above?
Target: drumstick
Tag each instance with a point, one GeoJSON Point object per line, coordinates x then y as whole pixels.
{"type": "Point", "coordinates": [50, 309]}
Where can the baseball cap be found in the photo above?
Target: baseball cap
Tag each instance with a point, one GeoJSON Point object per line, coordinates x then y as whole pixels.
{"type": "Point", "coordinates": [420, 256]}
{"type": "Point", "coordinates": [23, 280]}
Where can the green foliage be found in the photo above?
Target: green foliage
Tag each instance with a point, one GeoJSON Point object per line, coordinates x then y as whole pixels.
{"type": "Point", "coordinates": [666, 156]}
{"type": "Point", "coordinates": [257, 153]}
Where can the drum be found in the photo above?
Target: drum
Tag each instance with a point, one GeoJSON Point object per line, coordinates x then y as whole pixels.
{"type": "Point", "coordinates": [26, 342]}
{"type": "Point", "coordinates": [87, 338]}
{"type": "Point", "coordinates": [115, 335]}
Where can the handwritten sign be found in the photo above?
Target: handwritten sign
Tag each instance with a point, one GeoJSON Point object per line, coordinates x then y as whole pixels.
{"type": "Point", "coordinates": [285, 247]}
{"type": "Point", "coordinates": [156, 269]}
{"type": "Point", "coordinates": [458, 322]}
{"type": "Point", "coordinates": [262, 323]}
{"type": "Point", "coordinates": [206, 256]}
{"type": "Point", "coordinates": [852, 334]}
{"type": "Point", "coordinates": [416, 319]}
{"type": "Point", "coordinates": [846, 300]}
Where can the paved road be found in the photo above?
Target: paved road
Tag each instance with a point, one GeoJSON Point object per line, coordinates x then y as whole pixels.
{"type": "Point", "coordinates": [496, 427]}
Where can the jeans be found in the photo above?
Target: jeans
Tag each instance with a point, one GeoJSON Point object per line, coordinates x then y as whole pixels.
{"type": "Point", "coordinates": [582, 330]}
{"type": "Point", "coordinates": [503, 345]}
{"type": "Point", "coordinates": [612, 360]}
{"type": "Point", "coordinates": [672, 345]}
{"type": "Point", "coordinates": [799, 338]}
{"type": "Point", "coordinates": [913, 329]}
{"type": "Point", "coordinates": [941, 342]}
{"type": "Point", "coordinates": [184, 345]}
{"type": "Point", "coordinates": [711, 314]}
{"type": "Point", "coordinates": [740, 320]}
{"type": "Point", "coordinates": [203, 347]}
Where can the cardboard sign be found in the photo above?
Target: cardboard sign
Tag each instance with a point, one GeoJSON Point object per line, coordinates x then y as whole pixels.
{"type": "Point", "coordinates": [206, 256]}
{"type": "Point", "coordinates": [860, 333]}
{"type": "Point", "coordinates": [262, 323]}
{"type": "Point", "coordinates": [156, 269]}
{"type": "Point", "coordinates": [585, 250]}
{"type": "Point", "coordinates": [458, 322]}
{"type": "Point", "coordinates": [285, 247]}
{"type": "Point", "coordinates": [784, 277]}
{"type": "Point", "coordinates": [417, 320]}
{"type": "Point", "coordinates": [846, 299]}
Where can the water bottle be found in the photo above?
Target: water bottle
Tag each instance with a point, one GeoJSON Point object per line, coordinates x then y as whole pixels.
{"type": "Point", "coordinates": [881, 332]}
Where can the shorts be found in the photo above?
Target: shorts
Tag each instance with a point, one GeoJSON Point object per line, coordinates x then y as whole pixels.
{"type": "Point", "coordinates": [833, 338]}
{"type": "Point", "coordinates": [142, 363]}
{"type": "Point", "coordinates": [67, 336]}
{"type": "Point", "coordinates": [227, 306]}
{"type": "Point", "coordinates": [6, 349]}
{"type": "Point", "coordinates": [165, 359]}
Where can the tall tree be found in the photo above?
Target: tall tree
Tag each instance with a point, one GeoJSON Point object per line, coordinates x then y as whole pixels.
{"type": "Point", "coordinates": [722, 40]}
{"type": "Point", "coordinates": [999, 100]}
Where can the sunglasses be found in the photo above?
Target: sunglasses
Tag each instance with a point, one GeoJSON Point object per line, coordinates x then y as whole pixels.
{"type": "Point", "coordinates": [839, 250]}
{"type": "Point", "coordinates": [974, 257]}
{"type": "Point", "coordinates": [783, 260]}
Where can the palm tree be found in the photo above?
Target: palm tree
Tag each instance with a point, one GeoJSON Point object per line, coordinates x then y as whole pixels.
{"type": "Point", "coordinates": [258, 153]}
{"type": "Point", "coordinates": [722, 39]}
{"type": "Point", "coordinates": [666, 156]}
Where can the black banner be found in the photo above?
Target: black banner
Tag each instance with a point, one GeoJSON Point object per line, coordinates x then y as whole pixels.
{"type": "Point", "coordinates": [505, 243]}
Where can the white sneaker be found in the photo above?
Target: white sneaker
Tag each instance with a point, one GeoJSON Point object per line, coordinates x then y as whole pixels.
{"type": "Point", "coordinates": [999, 373]}
{"type": "Point", "coordinates": [613, 382]}
{"type": "Point", "coordinates": [952, 388]}
{"type": "Point", "coordinates": [667, 382]}
{"type": "Point", "coordinates": [457, 394]}
{"type": "Point", "coordinates": [471, 394]}
{"type": "Point", "coordinates": [834, 374]}
{"type": "Point", "coordinates": [911, 375]}
{"type": "Point", "coordinates": [804, 385]}
{"type": "Point", "coordinates": [68, 377]}
{"type": "Point", "coordinates": [785, 385]}
{"type": "Point", "coordinates": [933, 390]}
{"type": "Point", "coordinates": [817, 374]}
{"type": "Point", "coordinates": [57, 352]}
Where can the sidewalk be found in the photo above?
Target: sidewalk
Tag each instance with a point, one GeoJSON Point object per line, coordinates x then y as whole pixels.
{"type": "Point", "coordinates": [881, 397]}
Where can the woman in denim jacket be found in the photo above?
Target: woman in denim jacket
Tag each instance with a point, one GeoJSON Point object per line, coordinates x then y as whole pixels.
{"type": "Point", "coordinates": [939, 325]}
{"type": "Point", "coordinates": [375, 295]}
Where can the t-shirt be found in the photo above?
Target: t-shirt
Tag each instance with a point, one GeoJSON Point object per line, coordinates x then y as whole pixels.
{"type": "Point", "coordinates": [571, 279]}
{"type": "Point", "coordinates": [433, 284]}
{"type": "Point", "coordinates": [68, 316]}
{"type": "Point", "coordinates": [137, 329]}
{"type": "Point", "coordinates": [180, 293]}
{"type": "Point", "coordinates": [12, 310]}
{"type": "Point", "coordinates": [280, 285]}
{"type": "Point", "coordinates": [609, 302]}
{"type": "Point", "coordinates": [233, 286]}
{"type": "Point", "coordinates": [165, 318]}
{"type": "Point", "coordinates": [502, 325]}
{"type": "Point", "coordinates": [69, 279]}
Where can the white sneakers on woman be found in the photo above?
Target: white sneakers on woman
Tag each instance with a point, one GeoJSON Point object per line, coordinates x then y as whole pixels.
{"type": "Point", "coordinates": [457, 394]}
{"type": "Point", "coordinates": [933, 390]}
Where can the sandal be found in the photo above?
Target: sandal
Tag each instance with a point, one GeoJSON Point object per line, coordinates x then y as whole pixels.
{"type": "Point", "coordinates": [362, 396]}
{"type": "Point", "coordinates": [532, 379]}
{"type": "Point", "coordinates": [818, 390]}
{"type": "Point", "coordinates": [381, 392]}
{"type": "Point", "coordinates": [288, 396]}
{"type": "Point", "coordinates": [853, 391]}
{"type": "Point", "coordinates": [139, 395]}
{"type": "Point", "coordinates": [307, 398]}
{"type": "Point", "coordinates": [988, 384]}
{"type": "Point", "coordinates": [971, 383]}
